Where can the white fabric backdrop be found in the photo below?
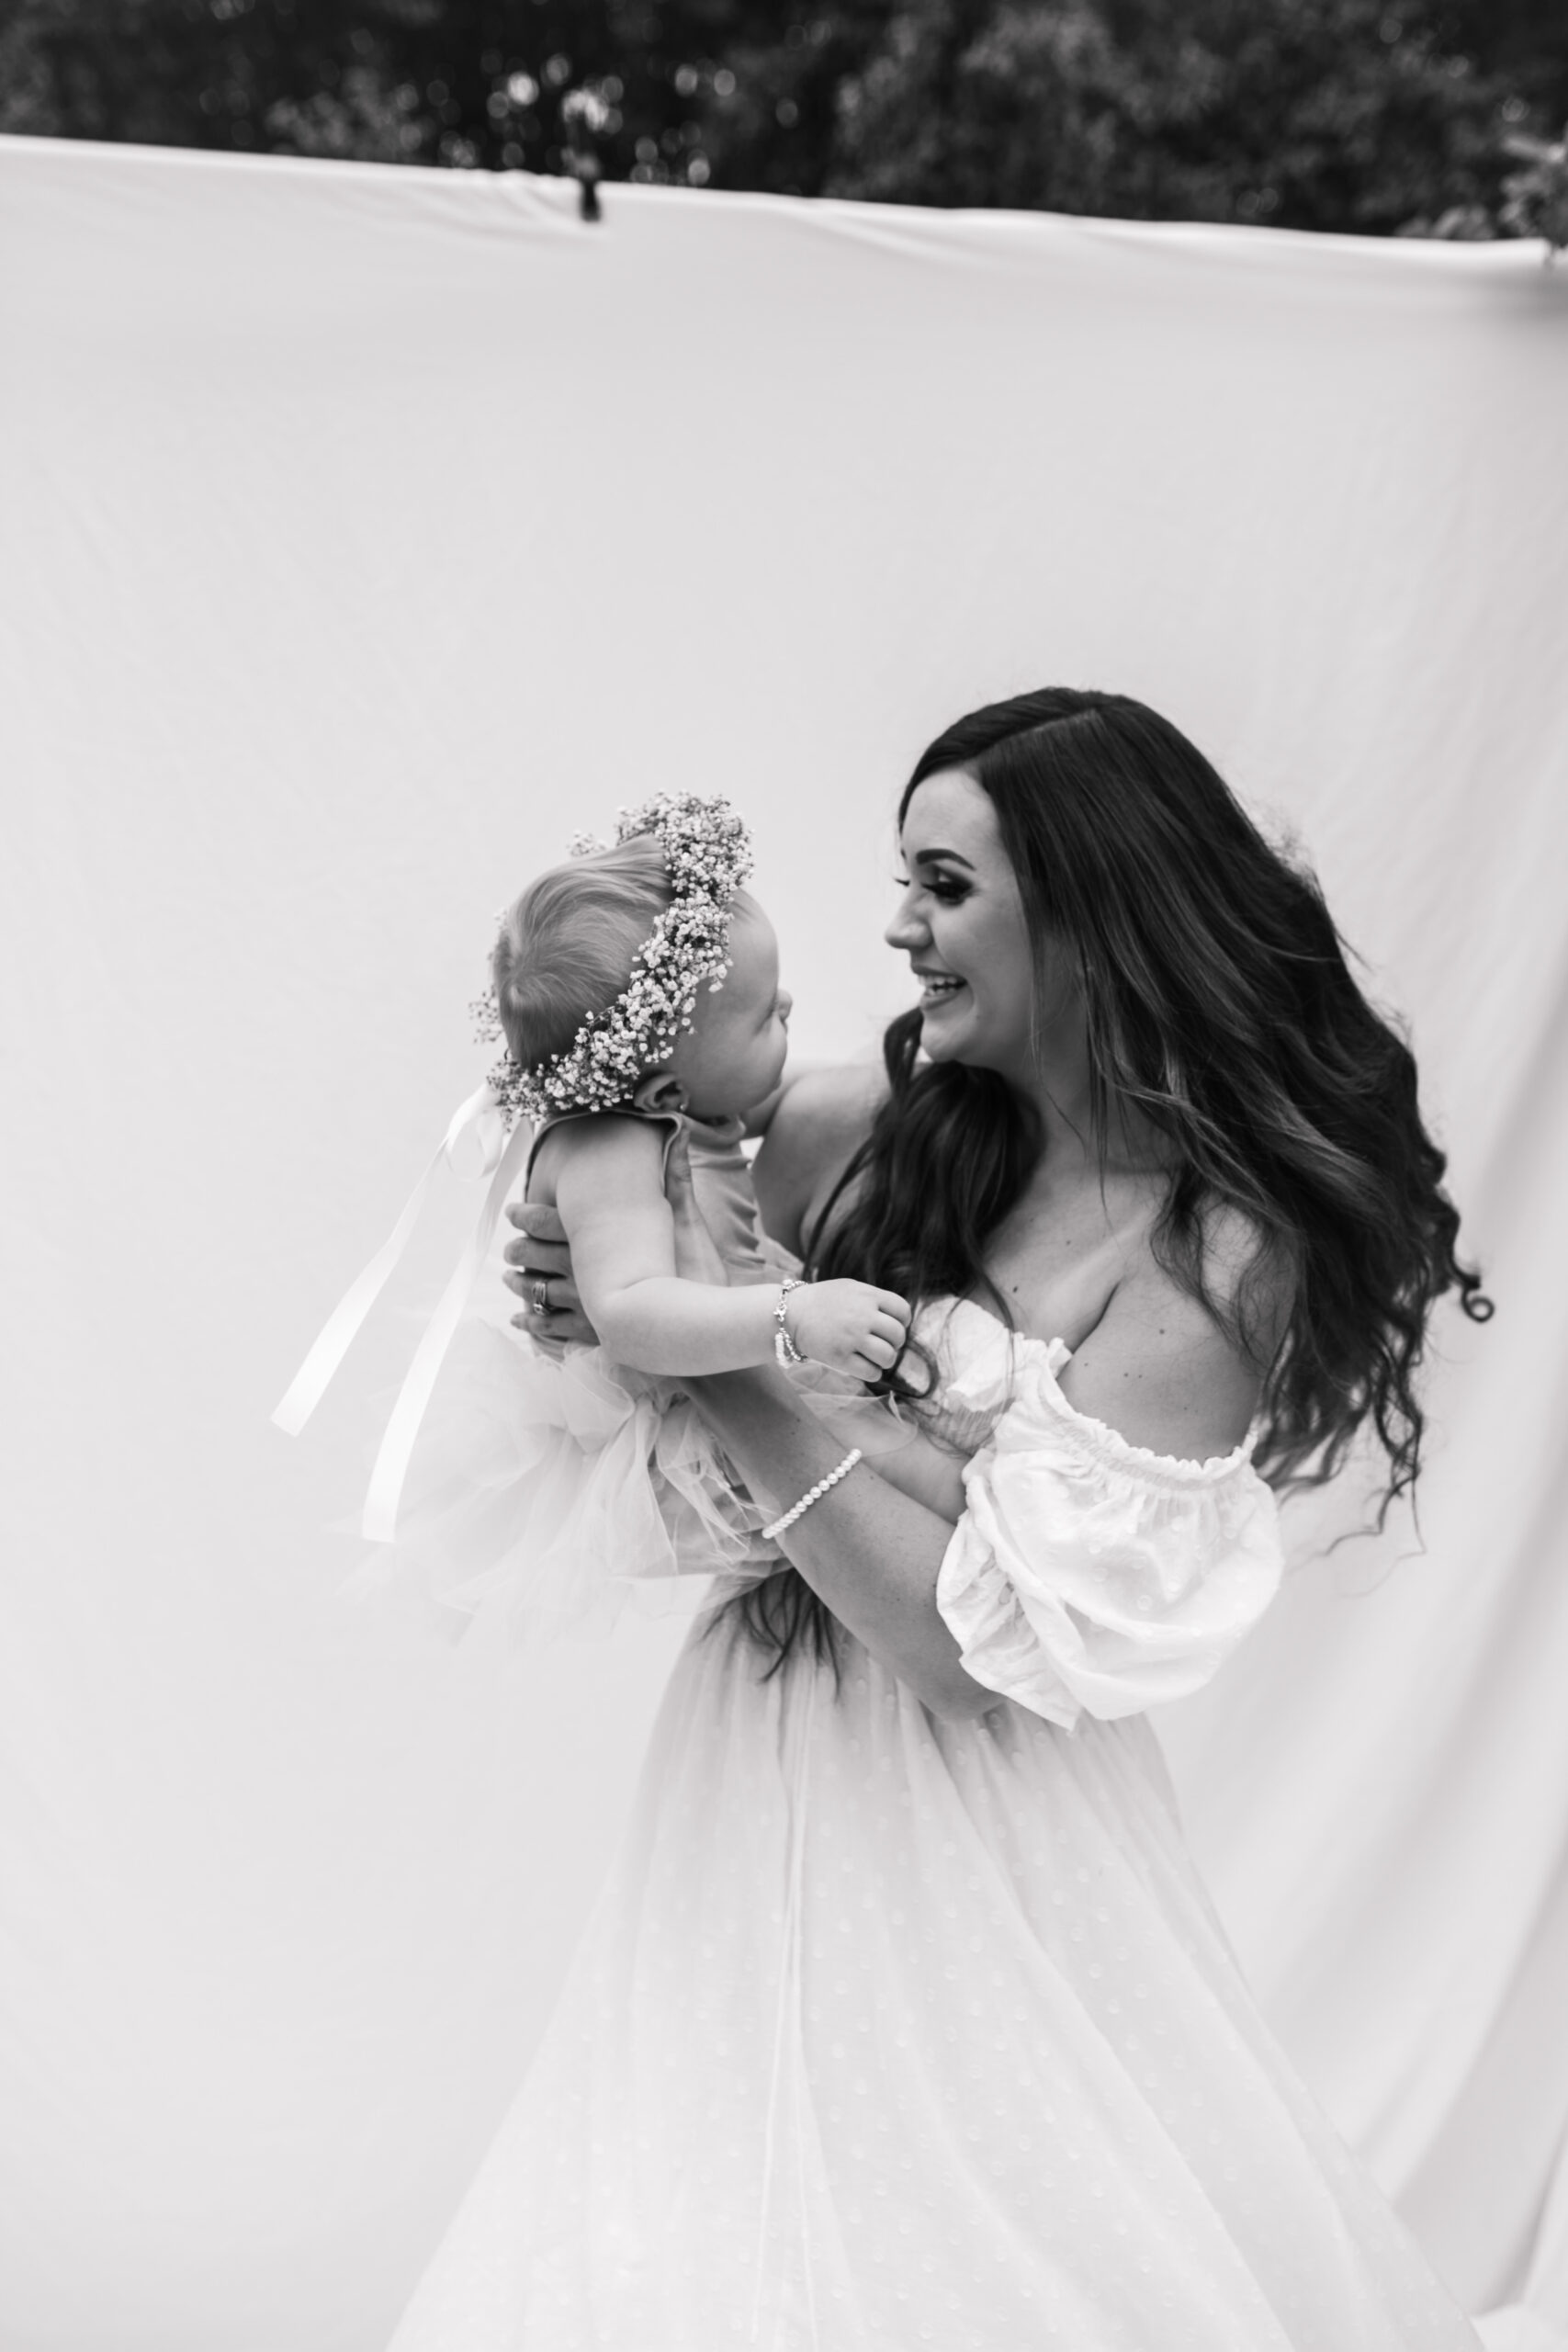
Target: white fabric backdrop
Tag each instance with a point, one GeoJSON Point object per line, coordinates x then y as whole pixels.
{"type": "Point", "coordinates": [368, 531]}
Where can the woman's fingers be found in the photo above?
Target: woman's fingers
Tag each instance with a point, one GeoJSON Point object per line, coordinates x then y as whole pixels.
{"type": "Point", "coordinates": [559, 1289]}
{"type": "Point", "coordinates": [888, 1328]}
{"type": "Point", "coordinates": [550, 1257]}
{"type": "Point", "coordinates": [533, 1218]}
{"type": "Point", "coordinates": [547, 1308]}
{"type": "Point", "coordinates": [881, 1354]}
{"type": "Point", "coordinates": [541, 1243]}
{"type": "Point", "coordinates": [538, 1272]}
{"type": "Point", "coordinates": [565, 1321]}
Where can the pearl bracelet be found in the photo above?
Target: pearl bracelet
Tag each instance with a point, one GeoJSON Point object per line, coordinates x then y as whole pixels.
{"type": "Point", "coordinates": [814, 1495]}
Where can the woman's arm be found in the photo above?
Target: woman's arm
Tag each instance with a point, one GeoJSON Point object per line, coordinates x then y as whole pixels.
{"type": "Point", "coordinates": [871, 1553]}
{"type": "Point", "coordinates": [930, 1472]}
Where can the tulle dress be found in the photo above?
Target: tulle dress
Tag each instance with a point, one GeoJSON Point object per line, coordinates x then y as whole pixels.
{"type": "Point", "coordinates": [892, 2032]}
{"type": "Point", "coordinates": [547, 1491]}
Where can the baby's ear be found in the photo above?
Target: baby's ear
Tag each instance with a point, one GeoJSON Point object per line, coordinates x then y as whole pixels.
{"type": "Point", "coordinates": [661, 1091]}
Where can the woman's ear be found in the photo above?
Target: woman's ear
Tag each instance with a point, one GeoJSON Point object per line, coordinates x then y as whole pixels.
{"type": "Point", "coordinates": [661, 1092]}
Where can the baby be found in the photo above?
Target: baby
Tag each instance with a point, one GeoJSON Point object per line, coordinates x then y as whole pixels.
{"type": "Point", "coordinates": [638, 992]}
{"type": "Point", "coordinates": [637, 999]}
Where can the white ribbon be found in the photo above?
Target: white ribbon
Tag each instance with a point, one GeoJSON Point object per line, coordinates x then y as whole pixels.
{"type": "Point", "coordinates": [501, 1156]}
{"type": "Point", "coordinates": [380, 1519]}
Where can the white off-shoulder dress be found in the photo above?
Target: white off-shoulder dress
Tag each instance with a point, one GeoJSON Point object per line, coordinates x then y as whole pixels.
{"type": "Point", "coordinates": [891, 2032]}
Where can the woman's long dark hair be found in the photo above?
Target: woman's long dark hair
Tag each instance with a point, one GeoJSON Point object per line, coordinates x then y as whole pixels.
{"type": "Point", "coordinates": [1219, 1006]}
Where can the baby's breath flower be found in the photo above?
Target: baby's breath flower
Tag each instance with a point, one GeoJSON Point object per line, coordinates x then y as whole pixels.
{"type": "Point", "coordinates": [709, 856]}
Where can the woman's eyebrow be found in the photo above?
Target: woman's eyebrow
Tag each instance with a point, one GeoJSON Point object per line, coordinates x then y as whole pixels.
{"type": "Point", "coordinates": [928, 857]}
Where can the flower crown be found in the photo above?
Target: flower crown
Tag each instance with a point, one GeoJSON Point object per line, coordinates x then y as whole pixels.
{"type": "Point", "coordinates": [708, 853]}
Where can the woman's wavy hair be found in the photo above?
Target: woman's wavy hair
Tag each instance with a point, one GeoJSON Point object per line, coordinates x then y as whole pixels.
{"type": "Point", "coordinates": [1221, 1006]}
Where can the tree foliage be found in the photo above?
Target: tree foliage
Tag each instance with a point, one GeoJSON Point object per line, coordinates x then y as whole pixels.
{"type": "Point", "coordinates": [1322, 114]}
{"type": "Point", "coordinates": [1369, 116]}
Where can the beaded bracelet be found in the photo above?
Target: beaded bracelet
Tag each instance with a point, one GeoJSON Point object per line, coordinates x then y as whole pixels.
{"type": "Point", "coordinates": [814, 1495]}
{"type": "Point", "coordinates": [784, 1348]}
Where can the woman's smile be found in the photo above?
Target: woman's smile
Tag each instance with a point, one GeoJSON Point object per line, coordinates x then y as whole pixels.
{"type": "Point", "coordinates": [961, 898]}
{"type": "Point", "coordinates": [936, 988]}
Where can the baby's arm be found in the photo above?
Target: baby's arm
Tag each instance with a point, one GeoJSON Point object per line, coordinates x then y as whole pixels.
{"type": "Point", "coordinates": [607, 1174]}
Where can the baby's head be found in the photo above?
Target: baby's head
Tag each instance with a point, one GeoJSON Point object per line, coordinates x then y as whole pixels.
{"type": "Point", "coordinates": [567, 949]}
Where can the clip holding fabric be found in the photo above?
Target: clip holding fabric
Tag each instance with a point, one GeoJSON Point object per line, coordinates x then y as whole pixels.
{"type": "Point", "coordinates": [582, 114]}
{"type": "Point", "coordinates": [502, 1157]}
{"type": "Point", "coordinates": [584, 170]}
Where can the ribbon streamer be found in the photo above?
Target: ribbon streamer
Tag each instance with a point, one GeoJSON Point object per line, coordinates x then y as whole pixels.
{"type": "Point", "coordinates": [500, 1158]}
{"type": "Point", "coordinates": [380, 1519]}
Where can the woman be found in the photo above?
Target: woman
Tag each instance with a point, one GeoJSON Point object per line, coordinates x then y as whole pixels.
{"type": "Point", "coordinates": [904, 2018]}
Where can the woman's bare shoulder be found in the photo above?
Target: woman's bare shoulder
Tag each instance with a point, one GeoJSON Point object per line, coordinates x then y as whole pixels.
{"type": "Point", "coordinates": [820, 1119]}
{"type": "Point", "coordinates": [1173, 1371]}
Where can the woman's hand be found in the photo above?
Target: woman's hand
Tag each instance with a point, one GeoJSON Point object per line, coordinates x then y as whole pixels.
{"type": "Point", "coordinates": [539, 1270]}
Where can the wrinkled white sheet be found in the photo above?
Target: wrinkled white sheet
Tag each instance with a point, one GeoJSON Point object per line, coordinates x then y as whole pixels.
{"type": "Point", "coordinates": [367, 531]}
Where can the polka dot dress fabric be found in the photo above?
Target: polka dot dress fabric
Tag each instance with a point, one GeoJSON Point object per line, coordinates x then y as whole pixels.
{"type": "Point", "coordinates": [891, 2032]}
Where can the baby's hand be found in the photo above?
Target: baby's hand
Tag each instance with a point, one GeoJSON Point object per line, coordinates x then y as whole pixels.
{"type": "Point", "coordinates": [848, 1325]}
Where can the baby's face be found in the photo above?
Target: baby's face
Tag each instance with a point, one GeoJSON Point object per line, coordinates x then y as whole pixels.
{"type": "Point", "coordinates": [733, 1055]}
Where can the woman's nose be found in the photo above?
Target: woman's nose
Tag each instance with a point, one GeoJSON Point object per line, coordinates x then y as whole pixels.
{"type": "Point", "coordinates": [786, 1004]}
{"type": "Point", "coordinates": [906, 929]}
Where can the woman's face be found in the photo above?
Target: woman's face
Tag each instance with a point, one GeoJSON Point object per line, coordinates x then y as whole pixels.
{"type": "Point", "coordinates": [961, 921]}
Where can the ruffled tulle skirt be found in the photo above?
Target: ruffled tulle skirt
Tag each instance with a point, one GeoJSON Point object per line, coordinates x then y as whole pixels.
{"type": "Point", "coordinates": [890, 2032]}
{"type": "Point", "coordinates": [547, 1492]}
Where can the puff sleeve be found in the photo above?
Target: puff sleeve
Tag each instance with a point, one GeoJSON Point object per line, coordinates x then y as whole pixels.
{"type": "Point", "coordinates": [1089, 1576]}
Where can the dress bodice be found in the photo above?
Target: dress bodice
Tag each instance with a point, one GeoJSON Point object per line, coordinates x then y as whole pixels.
{"type": "Point", "coordinates": [720, 1178]}
{"type": "Point", "coordinates": [978, 1359]}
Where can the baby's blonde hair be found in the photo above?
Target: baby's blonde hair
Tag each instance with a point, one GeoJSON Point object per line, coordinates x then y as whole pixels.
{"type": "Point", "coordinates": [568, 945]}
